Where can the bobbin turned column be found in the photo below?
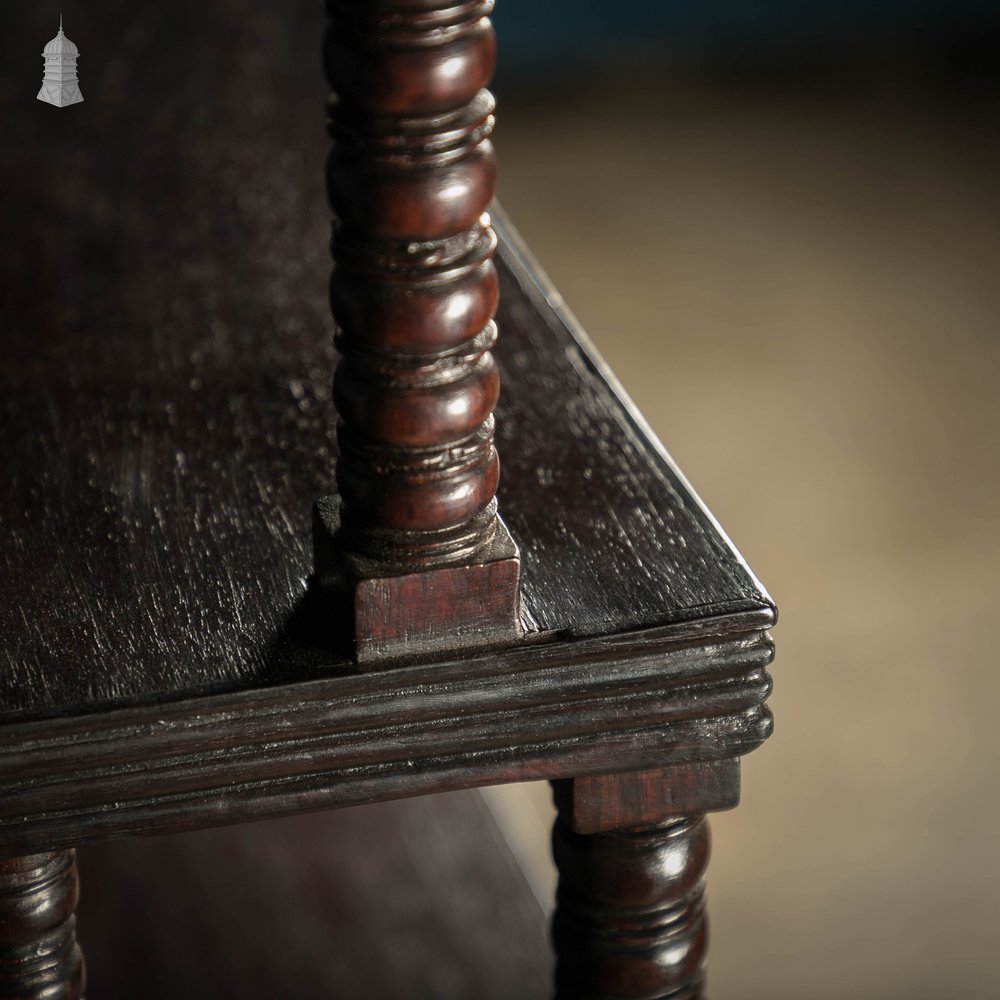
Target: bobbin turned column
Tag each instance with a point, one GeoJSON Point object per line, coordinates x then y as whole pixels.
{"type": "Point", "coordinates": [631, 849]}
{"type": "Point", "coordinates": [39, 956]}
{"type": "Point", "coordinates": [414, 535]}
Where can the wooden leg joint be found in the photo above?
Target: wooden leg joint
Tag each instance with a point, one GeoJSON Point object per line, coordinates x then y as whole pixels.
{"type": "Point", "coordinates": [428, 612]}
{"type": "Point", "coordinates": [600, 803]}
{"type": "Point", "coordinates": [631, 850]}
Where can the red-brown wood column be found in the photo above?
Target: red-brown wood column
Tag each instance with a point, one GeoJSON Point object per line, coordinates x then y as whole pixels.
{"type": "Point", "coordinates": [39, 956]}
{"type": "Point", "coordinates": [414, 534]}
{"type": "Point", "coordinates": [631, 849]}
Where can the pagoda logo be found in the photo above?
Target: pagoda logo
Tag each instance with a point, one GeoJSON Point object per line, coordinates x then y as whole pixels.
{"type": "Point", "coordinates": [59, 85]}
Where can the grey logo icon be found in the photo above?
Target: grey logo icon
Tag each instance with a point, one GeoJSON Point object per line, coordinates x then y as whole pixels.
{"type": "Point", "coordinates": [59, 85]}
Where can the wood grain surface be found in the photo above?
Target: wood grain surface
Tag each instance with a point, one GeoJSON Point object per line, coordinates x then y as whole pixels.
{"type": "Point", "coordinates": [167, 424]}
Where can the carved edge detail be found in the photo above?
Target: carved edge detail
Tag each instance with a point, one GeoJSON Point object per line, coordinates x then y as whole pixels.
{"type": "Point", "coordinates": [644, 703]}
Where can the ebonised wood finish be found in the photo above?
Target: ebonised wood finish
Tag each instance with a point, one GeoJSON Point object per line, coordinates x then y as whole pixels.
{"type": "Point", "coordinates": [540, 711]}
{"type": "Point", "coordinates": [166, 424]}
{"type": "Point", "coordinates": [166, 420]}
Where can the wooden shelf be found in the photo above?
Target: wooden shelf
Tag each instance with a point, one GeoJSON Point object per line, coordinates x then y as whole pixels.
{"type": "Point", "coordinates": [644, 620]}
{"type": "Point", "coordinates": [158, 541]}
{"type": "Point", "coordinates": [166, 423]}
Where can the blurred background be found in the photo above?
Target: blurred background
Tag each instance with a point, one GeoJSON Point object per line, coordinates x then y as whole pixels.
{"type": "Point", "coordinates": [781, 224]}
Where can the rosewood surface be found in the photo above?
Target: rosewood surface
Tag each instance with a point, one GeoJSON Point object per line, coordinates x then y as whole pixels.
{"type": "Point", "coordinates": [410, 174]}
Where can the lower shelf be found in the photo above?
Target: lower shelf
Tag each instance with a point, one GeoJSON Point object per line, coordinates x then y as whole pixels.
{"type": "Point", "coordinates": [407, 900]}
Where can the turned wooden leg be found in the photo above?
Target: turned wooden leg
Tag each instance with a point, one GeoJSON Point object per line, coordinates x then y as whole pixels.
{"type": "Point", "coordinates": [630, 920]}
{"type": "Point", "coordinates": [39, 956]}
{"type": "Point", "coordinates": [630, 917]}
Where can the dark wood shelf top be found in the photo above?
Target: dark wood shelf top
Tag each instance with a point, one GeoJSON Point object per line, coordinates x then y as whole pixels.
{"type": "Point", "coordinates": [166, 423]}
{"type": "Point", "coordinates": [157, 520]}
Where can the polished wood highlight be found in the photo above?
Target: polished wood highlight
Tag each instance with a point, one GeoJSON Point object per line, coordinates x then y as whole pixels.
{"type": "Point", "coordinates": [409, 176]}
{"type": "Point", "coordinates": [39, 955]}
{"type": "Point", "coordinates": [630, 918]}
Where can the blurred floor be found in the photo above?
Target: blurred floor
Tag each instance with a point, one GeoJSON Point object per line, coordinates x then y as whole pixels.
{"type": "Point", "coordinates": [801, 294]}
